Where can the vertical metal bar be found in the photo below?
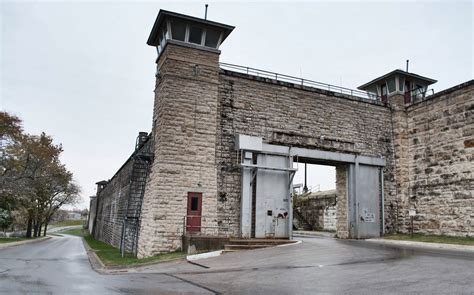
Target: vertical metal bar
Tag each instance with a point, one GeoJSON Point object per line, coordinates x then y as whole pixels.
{"type": "Point", "coordinates": [382, 213]}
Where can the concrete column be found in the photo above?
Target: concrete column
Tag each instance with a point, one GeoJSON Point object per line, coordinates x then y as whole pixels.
{"type": "Point", "coordinates": [246, 201]}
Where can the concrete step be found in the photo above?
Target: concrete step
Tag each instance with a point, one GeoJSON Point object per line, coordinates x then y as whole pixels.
{"type": "Point", "coordinates": [244, 247]}
{"type": "Point", "coordinates": [229, 251]}
{"type": "Point", "coordinates": [270, 242]}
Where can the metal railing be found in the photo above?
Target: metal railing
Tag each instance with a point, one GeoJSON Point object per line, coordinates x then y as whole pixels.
{"type": "Point", "coordinates": [298, 81]}
{"type": "Point", "coordinates": [419, 94]}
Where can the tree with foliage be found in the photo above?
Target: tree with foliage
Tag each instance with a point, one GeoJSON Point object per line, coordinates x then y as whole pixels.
{"type": "Point", "coordinates": [33, 180]}
{"type": "Point", "coordinates": [5, 219]}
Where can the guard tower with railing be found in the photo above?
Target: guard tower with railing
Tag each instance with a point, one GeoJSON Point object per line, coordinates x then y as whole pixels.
{"type": "Point", "coordinates": [184, 199]}
{"type": "Point", "coordinates": [413, 87]}
{"type": "Point", "coordinates": [171, 27]}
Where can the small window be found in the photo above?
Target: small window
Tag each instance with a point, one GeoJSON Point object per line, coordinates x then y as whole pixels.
{"type": "Point", "coordinates": [212, 37]}
{"type": "Point", "coordinates": [401, 82]}
{"type": "Point", "coordinates": [178, 30]}
{"type": "Point", "coordinates": [194, 203]}
{"type": "Point", "coordinates": [195, 35]}
{"type": "Point", "coordinates": [391, 85]}
{"type": "Point", "coordinates": [384, 89]}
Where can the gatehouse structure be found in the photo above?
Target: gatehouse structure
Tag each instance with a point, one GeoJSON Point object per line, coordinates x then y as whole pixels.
{"type": "Point", "coordinates": [218, 162]}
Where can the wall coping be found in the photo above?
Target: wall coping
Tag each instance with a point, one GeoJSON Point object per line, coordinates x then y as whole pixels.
{"type": "Point", "coordinates": [300, 87]}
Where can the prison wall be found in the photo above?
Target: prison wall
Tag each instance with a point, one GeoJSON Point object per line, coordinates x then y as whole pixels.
{"type": "Point", "coordinates": [293, 115]}
{"type": "Point", "coordinates": [184, 128]}
{"type": "Point", "coordinates": [318, 209]}
{"type": "Point", "coordinates": [441, 163]}
{"type": "Point", "coordinates": [111, 205]}
{"type": "Point", "coordinates": [119, 198]}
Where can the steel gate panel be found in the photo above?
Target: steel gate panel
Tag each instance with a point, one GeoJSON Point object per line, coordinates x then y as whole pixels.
{"type": "Point", "coordinates": [364, 201]}
{"type": "Point", "coordinates": [273, 203]}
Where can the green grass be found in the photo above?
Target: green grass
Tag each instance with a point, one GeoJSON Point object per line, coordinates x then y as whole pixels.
{"type": "Point", "coordinates": [431, 239]}
{"type": "Point", "coordinates": [67, 223]}
{"type": "Point", "coordinates": [111, 256]}
{"type": "Point", "coordinates": [75, 232]}
{"type": "Point", "coordinates": [10, 240]}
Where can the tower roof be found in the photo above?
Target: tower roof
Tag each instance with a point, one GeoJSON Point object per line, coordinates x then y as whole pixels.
{"type": "Point", "coordinates": [425, 80]}
{"type": "Point", "coordinates": [164, 14]}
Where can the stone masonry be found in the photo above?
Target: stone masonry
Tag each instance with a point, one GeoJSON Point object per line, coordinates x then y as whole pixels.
{"type": "Point", "coordinates": [441, 163]}
{"type": "Point", "coordinates": [318, 209]}
{"type": "Point", "coordinates": [288, 114]}
{"type": "Point", "coordinates": [184, 128]}
{"type": "Point", "coordinates": [199, 107]}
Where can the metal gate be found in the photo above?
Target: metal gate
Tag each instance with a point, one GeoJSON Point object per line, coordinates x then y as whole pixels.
{"type": "Point", "coordinates": [365, 201]}
{"type": "Point", "coordinates": [273, 200]}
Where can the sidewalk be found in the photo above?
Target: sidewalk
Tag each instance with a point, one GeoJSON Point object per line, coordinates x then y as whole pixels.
{"type": "Point", "coordinates": [8, 245]}
{"type": "Point", "coordinates": [423, 245]}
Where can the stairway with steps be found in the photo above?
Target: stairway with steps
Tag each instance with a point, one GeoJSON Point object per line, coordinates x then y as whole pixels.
{"type": "Point", "coordinates": [250, 244]}
{"type": "Point", "coordinates": [303, 223]}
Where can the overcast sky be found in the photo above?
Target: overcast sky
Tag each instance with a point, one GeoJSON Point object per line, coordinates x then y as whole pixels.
{"type": "Point", "coordinates": [82, 72]}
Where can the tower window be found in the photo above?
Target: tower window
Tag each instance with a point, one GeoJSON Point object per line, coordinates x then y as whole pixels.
{"type": "Point", "coordinates": [391, 85]}
{"type": "Point", "coordinates": [212, 38]}
{"type": "Point", "coordinates": [178, 31]}
{"type": "Point", "coordinates": [195, 35]}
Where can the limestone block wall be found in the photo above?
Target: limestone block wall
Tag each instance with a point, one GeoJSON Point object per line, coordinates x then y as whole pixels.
{"type": "Point", "coordinates": [318, 209]}
{"type": "Point", "coordinates": [329, 218]}
{"type": "Point", "coordinates": [111, 206]}
{"type": "Point", "coordinates": [92, 212]}
{"type": "Point", "coordinates": [441, 163]}
{"type": "Point", "coordinates": [288, 114]}
{"type": "Point", "coordinates": [184, 128]}
{"type": "Point", "coordinates": [342, 226]}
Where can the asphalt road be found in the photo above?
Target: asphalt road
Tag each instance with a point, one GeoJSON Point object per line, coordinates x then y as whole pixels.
{"type": "Point", "coordinates": [60, 266]}
{"type": "Point", "coordinates": [316, 266]}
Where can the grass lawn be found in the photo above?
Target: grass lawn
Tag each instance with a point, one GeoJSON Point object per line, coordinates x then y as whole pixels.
{"type": "Point", "coordinates": [67, 223]}
{"type": "Point", "coordinates": [431, 239]}
{"type": "Point", "coordinates": [10, 240]}
{"type": "Point", "coordinates": [75, 232]}
{"type": "Point", "coordinates": [111, 256]}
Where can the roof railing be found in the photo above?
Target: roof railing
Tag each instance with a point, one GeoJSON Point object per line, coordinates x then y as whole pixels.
{"type": "Point", "coordinates": [420, 94]}
{"type": "Point", "coordinates": [298, 81]}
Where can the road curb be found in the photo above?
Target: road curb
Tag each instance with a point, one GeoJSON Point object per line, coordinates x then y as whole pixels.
{"type": "Point", "coordinates": [96, 264]}
{"type": "Point", "coordinates": [423, 245]}
{"type": "Point", "coordinates": [99, 266]}
{"type": "Point", "coordinates": [19, 243]}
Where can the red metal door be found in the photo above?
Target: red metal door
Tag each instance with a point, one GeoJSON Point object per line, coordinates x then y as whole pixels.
{"type": "Point", "coordinates": [407, 92]}
{"type": "Point", "coordinates": [193, 217]}
{"type": "Point", "coordinates": [383, 91]}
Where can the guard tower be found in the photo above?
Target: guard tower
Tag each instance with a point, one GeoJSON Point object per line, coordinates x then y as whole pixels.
{"type": "Point", "coordinates": [183, 200]}
{"type": "Point", "coordinates": [171, 27]}
{"type": "Point", "coordinates": [413, 87]}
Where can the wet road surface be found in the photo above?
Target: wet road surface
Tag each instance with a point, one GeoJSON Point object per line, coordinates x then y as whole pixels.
{"type": "Point", "coordinates": [318, 265]}
{"type": "Point", "coordinates": [60, 266]}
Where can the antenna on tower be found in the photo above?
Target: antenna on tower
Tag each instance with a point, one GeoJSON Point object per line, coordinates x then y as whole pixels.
{"type": "Point", "coordinates": [205, 13]}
